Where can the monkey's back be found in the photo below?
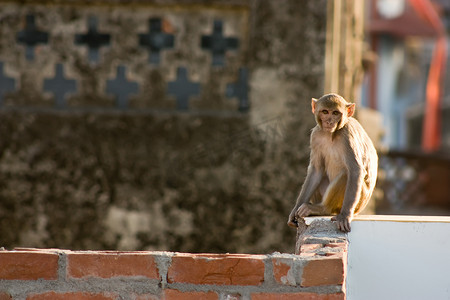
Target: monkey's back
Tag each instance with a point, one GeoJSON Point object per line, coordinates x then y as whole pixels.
{"type": "Point", "coordinates": [367, 158]}
{"type": "Point", "coordinates": [365, 151]}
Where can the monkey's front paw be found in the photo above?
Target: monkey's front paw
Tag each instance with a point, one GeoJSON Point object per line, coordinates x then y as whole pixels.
{"type": "Point", "coordinates": [342, 222]}
{"type": "Point", "coordinates": [303, 211]}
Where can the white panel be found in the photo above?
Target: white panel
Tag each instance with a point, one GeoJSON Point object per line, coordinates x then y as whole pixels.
{"type": "Point", "coordinates": [399, 258]}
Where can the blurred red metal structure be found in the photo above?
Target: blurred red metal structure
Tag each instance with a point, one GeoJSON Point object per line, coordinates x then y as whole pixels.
{"type": "Point", "coordinates": [431, 137]}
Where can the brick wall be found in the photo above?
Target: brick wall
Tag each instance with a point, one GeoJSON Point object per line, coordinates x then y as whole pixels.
{"type": "Point", "coordinates": [35, 274]}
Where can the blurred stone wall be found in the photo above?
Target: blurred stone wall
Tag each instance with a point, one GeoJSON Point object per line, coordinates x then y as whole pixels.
{"type": "Point", "coordinates": [156, 125]}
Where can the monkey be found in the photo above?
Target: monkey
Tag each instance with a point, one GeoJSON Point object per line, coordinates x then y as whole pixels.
{"type": "Point", "coordinates": [343, 166]}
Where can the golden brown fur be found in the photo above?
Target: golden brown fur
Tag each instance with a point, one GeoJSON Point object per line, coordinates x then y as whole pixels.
{"type": "Point", "coordinates": [343, 165]}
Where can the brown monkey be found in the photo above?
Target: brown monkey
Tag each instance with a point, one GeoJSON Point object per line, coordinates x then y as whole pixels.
{"type": "Point", "coordinates": [343, 165]}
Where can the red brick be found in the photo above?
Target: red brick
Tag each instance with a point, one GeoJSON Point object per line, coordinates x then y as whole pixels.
{"type": "Point", "coordinates": [220, 269]}
{"type": "Point", "coordinates": [308, 248]}
{"type": "Point", "coordinates": [308, 254]}
{"type": "Point", "coordinates": [324, 271]}
{"type": "Point", "coordinates": [281, 268]}
{"type": "Point", "coordinates": [335, 254]}
{"type": "Point", "coordinates": [28, 265]}
{"type": "Point", "coordinates": [178, 295]}
{"type": "Point", "coordinates": [297, 296]}
{"type": "Point", "coordinates": [343, 246]}
{"type": "Point", "coordinates": [71, 296]}
{"type": "Point", "coordinates": [5, 296]}
{"type": "Point", "coordinates": [111, 264]}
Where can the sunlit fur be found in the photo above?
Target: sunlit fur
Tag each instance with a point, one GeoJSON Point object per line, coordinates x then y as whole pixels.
{"type": "Point", "coordinates": [343, 165]}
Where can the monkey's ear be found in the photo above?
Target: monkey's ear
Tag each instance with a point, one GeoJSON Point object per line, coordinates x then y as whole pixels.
{"type": "Point", "coordinates": [350, 109]}
{"type": "Point", "coordinates": [313, 104]}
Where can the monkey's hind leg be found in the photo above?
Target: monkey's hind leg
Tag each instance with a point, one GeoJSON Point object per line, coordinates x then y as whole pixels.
{"type": "Point", "coordinates": [314, 208]}
{"type": "Point", "coordinates": [366, 193]}
{"type": "Point", "coordinates": [307, 209]}
{"type": "Point", "coordinates": [334, 195]}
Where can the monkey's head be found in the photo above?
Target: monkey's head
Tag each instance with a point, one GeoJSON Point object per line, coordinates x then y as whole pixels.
{"type": "Point", "coordinates": [332, 111]}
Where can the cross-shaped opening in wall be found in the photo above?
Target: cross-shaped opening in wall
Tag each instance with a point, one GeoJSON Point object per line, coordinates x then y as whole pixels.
{"type": "Point", "coordinates": [93, 39]}
{"type": "Point", "coordinates": [218, 44]}
{"type": "Point", "coordinates": [183, 89]}
{"type": "Point", "coordinates": [239, 89]}
{"type": "Point", "coordinates": [7, 84]}
{"type": "Point", "coordinates": [60, 86]}
{"type": "Point", "coordinates": [156, 40]}
{"type": "Point", "coordinates": [121, 88]}
{"type": "Point", "coordinates": [31, 37]}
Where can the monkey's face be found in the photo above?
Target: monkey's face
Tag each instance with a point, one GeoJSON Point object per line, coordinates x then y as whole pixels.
{"type": "Point", "coordinates": [329, 119]}
{"type": "Point", "coordinates": [332, 112]}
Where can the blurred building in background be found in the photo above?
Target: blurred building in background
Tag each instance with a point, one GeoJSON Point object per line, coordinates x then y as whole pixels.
{"type": "Point", "coordinates": [157, 125]}
{"type": "Point", "coordinates": [409, 84]}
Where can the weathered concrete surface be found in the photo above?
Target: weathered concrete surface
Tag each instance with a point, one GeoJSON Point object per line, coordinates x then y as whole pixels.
{"type": "Point", "coordinates": [163, 180]}
{"type": "Point", "coordinates": [318, 230]}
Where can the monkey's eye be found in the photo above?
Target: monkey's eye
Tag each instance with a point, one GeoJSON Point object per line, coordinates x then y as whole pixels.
{"type": "Point", "coordinates": [325, 112]}
{"type": "Point", "coordinates": [336, 113]}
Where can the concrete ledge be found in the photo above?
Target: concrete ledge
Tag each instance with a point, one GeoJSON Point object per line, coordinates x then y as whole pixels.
{"type": "Point", "coordinates": [318, 230]}
{"type": "Point", "coordinates": [399, 218]}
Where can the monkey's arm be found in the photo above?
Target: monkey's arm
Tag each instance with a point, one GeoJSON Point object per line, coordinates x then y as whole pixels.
{"type": "Point", "coordinates": [312, 181]}
{"type": "Point", "coordinates": [352, 195]}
